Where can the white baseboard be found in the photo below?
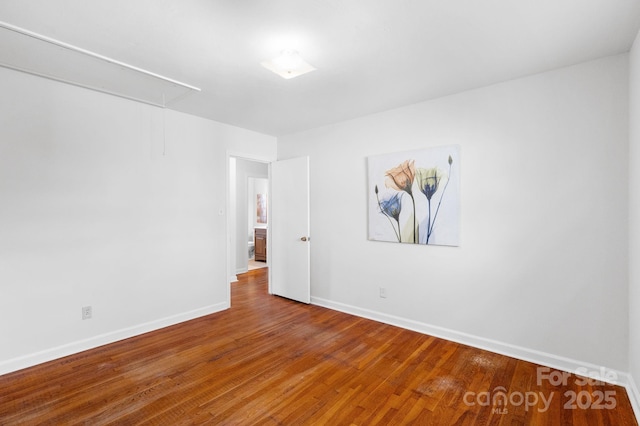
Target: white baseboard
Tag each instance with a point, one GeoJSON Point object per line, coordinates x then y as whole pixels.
{"type": "Point", "coordinates": [531, 355]}
{"type": "Point", "coordinates": [30, 360]}
{"type": "Point", "coordinates": [634, 395]}
{"type": "Point", "coordinates": [233, 278]}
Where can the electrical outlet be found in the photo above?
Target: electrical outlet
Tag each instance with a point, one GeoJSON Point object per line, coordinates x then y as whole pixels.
{"type": "Point", "coordinates": [87, 312]}
{"type": "Point", "coordinates": [383, 292]}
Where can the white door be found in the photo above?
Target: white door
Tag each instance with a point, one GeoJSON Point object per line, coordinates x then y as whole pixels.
{"type": "Point", "coordinates": [289, 230]}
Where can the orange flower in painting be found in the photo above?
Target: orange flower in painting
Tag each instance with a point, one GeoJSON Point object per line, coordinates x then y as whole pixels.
{"type": "Point", "coordinates": [401, 177]}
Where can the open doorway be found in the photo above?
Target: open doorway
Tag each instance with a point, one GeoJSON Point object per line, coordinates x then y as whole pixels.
{"type": "Point", "coordinates": [258, 221]}
{"type": "Point", "coordinates": [287, 228]}
{"type": "Point", "coordinates": [249, 197]}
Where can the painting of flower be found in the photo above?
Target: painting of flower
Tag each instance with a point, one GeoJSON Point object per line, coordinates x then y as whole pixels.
{"type": "Point", "coordinates": [414, 197]}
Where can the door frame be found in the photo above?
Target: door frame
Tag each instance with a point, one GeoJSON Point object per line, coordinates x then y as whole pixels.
{"type": "Point", "coordinates": [250, 156]}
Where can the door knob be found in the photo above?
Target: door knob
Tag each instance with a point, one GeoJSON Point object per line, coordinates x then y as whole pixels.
{"type": "Point", "coordinates": [303, 239]}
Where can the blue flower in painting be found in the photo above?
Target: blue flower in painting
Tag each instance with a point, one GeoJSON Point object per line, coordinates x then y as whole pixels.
{"type": "Point", "coordinates": [391, 205]}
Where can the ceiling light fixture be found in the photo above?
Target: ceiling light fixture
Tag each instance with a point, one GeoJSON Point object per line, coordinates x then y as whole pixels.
{"type": "Point", "coordinates": [288, 64]}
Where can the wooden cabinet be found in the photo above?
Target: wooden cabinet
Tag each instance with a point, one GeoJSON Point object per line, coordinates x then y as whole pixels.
{"type": "Point", "coordinates": [260, 242]}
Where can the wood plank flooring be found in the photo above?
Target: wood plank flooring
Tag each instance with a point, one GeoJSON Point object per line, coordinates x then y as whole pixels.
{"type": "Point", "coordinates": [272, 361]}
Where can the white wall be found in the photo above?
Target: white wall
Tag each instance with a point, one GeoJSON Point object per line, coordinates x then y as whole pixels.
{"type": "Point", "coordinates": [244, 170]}
{"type": "Point", "coordinates": [634, 218]}
{"type": "Point", "coordinates": [542, 268]}
{"type": "Point", "coordinates": [109, 203]}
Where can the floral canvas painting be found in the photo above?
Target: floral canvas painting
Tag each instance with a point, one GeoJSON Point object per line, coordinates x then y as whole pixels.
{"type": "Point", "coordinates": [414, 197]}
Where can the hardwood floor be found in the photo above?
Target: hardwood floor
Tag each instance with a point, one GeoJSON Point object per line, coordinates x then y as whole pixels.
{"type": "Point", "coordinates": [271, 361]}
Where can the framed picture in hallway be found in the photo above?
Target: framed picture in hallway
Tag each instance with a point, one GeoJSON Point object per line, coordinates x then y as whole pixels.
{"type": "Point", "coordinates": [414, 196]}
{"type": "Point", "coordinates": [261, 208]}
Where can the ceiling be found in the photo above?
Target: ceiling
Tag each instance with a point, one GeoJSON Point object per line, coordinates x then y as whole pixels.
{"type": "Point", "coordinates": [370, 55]}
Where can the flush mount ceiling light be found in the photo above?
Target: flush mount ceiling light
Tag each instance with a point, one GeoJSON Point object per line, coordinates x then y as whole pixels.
{"type": "Point", "coordinates": [288, 64]}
